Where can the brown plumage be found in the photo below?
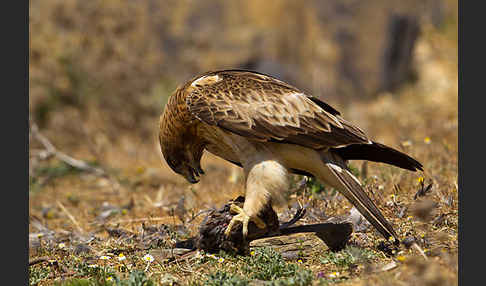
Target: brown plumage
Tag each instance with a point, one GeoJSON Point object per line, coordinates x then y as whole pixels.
{"type": "Point", "coordinates": [269, 128]}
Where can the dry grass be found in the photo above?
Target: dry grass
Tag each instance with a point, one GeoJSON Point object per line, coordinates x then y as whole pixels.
{"type": "Point", "coordinates": [70, 210]}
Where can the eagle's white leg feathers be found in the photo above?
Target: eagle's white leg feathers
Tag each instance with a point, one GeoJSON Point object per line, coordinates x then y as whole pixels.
{"type": "Point", "coordinates": [265, 180]}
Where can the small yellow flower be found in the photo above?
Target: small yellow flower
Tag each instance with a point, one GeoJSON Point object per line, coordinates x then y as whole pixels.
{"type": "Point", "coordinates": [401, 258]}
{"type": "Point", "coordinates": [148, 258]}
{"type": "Point", "coordinates": [39, 235]}
{"type": "Point", "coordinates": [104, 257]}
{"type": "Point", "coordinates": [334, 274]}
{"type": "Point", "coordinates": [121, 257]}
{"type": "Point", "coordinates": [221, 260]}
{"type": "Point", "coordinates": [420, 180]}
{"type": "Point", "coordinates": [61, 245]}
{"type": "Point", "coordinates": [409, 217]}
{"type": "Point", "coordinates": [427, 140]}
{"type": "Point", "coordinates": [109, 278]}
{"type": "Point", "coordinates": [299, 261]}
{"type": "Point", "coordinates": [252, 253]}
{"type": "Point", "coordinates": [124, 211]}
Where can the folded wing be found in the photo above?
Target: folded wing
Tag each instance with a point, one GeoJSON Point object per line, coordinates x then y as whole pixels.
{"type": "Point", "coordinates": [263, 108]}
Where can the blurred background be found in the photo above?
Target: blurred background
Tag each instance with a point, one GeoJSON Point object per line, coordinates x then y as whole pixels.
{"type": "Point", "coordinates": [111, 64]}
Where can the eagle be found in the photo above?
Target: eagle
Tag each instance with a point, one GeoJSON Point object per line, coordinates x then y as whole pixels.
{"type": "Point", "coordinates": [271, 129]}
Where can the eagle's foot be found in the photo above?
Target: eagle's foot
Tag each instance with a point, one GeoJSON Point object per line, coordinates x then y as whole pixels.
{"type": "Point", "coordinates": [244, 218]}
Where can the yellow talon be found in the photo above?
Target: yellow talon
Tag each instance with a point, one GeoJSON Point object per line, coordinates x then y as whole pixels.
{"type": "Point", "coordinates": [244, 219]}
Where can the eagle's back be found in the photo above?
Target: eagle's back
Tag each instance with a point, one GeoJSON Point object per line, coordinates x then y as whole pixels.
{"type": "Point", "coordinates": [263, 108]}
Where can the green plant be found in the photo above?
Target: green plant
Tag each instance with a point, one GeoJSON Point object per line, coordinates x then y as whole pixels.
{"type": "Point", "coordinates": [348, 256]}
{"type": "Point", "coordinates": [79, 282]}
{"type": "Point", "coordinates": [223, 278]}
{"type": "Point", "coordinates": [37, 274]}
{"type": "Point", "coordinates": [315, 186]}
{"type": "Point", "coordinates": [102, 278]}
{"type": "Point", "coordinates": [325, 281]}
{"type": "Point", "coordinates": [136, 278]}
{"type": "Point", "coordinates": [267, 264]}
{"type": "Point", "coordinates": [301, 278]}
{"type": "Point", "coordinates": [354, 170]}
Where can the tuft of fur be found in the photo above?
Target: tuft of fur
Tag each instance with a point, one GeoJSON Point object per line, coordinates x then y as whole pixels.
{"type": "Point", "coordinates": [266, 180]}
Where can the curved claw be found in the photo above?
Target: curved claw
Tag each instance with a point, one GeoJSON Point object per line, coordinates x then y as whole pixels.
{"type": "Point", "coordinates": [244, 219]}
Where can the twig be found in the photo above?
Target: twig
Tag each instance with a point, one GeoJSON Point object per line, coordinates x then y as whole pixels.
{"type": "Point", "coordinates": [420, 250]}
{"type": "Point", "coordinates": [38, 260]}
{"type": "Point", "coordinates": [75, 222]}
{"type": "Point", "coordinates": [62, 275]}
{"type": "Point", "coordinates": [387, 267]}
{"type": "Point", "coordinates": [140, 220]}
{"type": "Point", "coordinates": [52, 151]}
{"type": "Point", "coordinates": [53, 262]}
{"type": "Point", "coordinates": [198, 214]}
{"type": "Point", "coordinates": [182, 268]}
{"type": "Point", "coordinates": [298, 215]}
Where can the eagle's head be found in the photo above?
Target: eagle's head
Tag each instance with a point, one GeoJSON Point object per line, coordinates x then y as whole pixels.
{"type": "Point", "coordinates": [184, 161]}
{"type": "Point", "coordinates": [181, 148]}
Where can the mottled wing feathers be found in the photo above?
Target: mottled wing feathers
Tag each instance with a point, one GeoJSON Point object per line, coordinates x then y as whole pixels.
{"type": "Point", "coordinates": [266, 109]}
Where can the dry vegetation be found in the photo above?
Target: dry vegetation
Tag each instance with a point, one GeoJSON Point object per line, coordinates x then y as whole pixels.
{"type": "Point", "coordinates": [100, 72]}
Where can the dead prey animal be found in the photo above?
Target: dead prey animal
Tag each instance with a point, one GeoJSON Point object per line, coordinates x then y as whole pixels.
{"type": "Point", "coordinates": [334, 232]}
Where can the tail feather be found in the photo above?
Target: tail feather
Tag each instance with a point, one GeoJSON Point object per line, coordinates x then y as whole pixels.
{"type": "Point", "coordinates": [354, 192]}
{"type": "Point", "coordinates": [378, 153]}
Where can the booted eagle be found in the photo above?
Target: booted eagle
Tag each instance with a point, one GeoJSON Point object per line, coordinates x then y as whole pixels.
{"type": "Point", "coordinates": [270, 129]}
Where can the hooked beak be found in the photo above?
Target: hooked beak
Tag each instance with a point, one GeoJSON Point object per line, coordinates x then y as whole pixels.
{"type": "Point", "coordinates": [191, 179]}
{"type": "Point", "coordinates": [192, 174]}
{"type": "Point", "coordinates": [199, 170]}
